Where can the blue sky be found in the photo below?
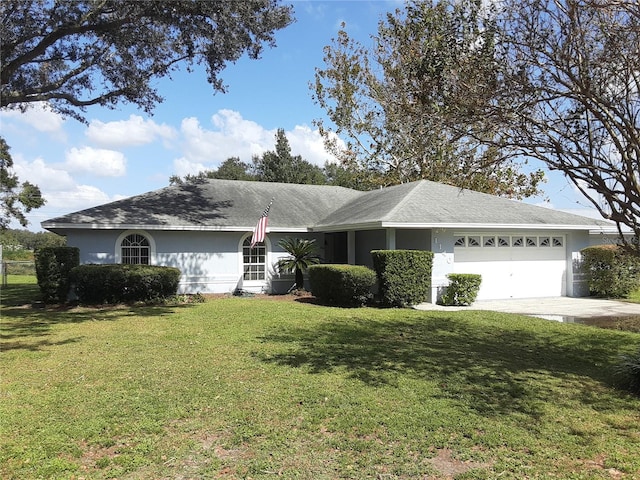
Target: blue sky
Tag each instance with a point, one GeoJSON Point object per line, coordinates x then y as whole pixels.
{"type": "Point", "coordinates": [125, 152]}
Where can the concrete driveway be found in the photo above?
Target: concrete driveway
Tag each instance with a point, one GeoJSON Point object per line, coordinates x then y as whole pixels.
{"type": "Point", "coordinates": [555, 308]}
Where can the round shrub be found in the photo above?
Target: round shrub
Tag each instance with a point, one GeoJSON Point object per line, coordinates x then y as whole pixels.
{"type": "Point", "coordinates": [462, 290]}
{"type": "Point", "coordinates": [97, 284]}
{"type": "Point", "coordinates": [611, 271]}
{"type": "Point", "coordinates": [342, 285]}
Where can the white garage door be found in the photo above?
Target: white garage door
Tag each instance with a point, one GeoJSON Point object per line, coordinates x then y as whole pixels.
{"type": "Point", "coordinates": [513, 266]}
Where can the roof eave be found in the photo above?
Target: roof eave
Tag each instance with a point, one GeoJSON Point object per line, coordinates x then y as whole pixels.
{"type": "Point", "coordinates": [475, 226]}
{"type": "Point", "coordinates": [180, 228]}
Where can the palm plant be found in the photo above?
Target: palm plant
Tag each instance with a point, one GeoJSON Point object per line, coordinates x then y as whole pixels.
{"type": "Point", "coordinates": [302, 254]}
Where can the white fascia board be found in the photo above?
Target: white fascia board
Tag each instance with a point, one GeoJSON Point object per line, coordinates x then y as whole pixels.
{"type": "Point", "coordinates": [346, 227]}
{"type": "Point", "coordinates": [424, 226]}
{"type": "Point", "coordinates": [192, 228]}
{"type": "Point", "coordinates": [491, 226]}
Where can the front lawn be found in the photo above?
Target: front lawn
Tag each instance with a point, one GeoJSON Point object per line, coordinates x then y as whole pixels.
{"type": "Point", "coordinates": [265, 388]}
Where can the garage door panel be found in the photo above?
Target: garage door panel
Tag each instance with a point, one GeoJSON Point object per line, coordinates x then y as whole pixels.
{"type": "Point", "coordinates": [517, 279]}
{"type": "Point", "coordinates": [514, 272]}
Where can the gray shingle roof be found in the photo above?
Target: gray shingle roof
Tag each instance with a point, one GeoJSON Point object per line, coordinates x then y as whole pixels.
{"type": "Point", "coordinates": [214, 204]}
{"type": "Point", "coordinates": [236, 205]}
{"type": "Point", "coordinates": [425, 203]}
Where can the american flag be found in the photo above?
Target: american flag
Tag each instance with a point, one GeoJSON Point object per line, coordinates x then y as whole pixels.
{"type": "Point", "coordinates": [261, 228]}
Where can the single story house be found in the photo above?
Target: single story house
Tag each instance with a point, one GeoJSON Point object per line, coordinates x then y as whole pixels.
{"type": "Point", "coordinates": [205, 229]}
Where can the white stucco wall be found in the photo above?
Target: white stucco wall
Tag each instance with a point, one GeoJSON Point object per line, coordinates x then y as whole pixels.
{"type": "Point", "coordinates": [511, 273]}
{"type": "Point", "coordinates": [210, 262]}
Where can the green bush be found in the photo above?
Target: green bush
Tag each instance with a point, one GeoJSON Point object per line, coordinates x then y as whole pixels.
{"type": "Point", "coordinates": [53, 269]}
{"type": "Point", "coordinates": [610, 270]}
{"type": "Point", "coordinates": [462, 290]}
{"type": "Point", "coordinates": [404, 276]}
{"type": "Point", "coordinates": [627, 372]}
{"type": "Point", "coordinates": [342, 285]}
{"type": "Point", "coordinates": [97, 284]}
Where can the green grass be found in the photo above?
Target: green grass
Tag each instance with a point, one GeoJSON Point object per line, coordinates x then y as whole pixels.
{"type": "Point", "coordinates": [257, 388]}
{"type": "Point", "coordinates": [635, 296]}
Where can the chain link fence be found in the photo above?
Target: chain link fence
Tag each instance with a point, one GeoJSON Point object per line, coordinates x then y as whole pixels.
{"type": "Point", "coordinates": [16, 267]}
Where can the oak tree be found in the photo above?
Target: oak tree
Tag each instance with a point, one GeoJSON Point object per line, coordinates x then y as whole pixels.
{"type": "Point", "coordinates": [77, 53]}
{"type": "Point", "coordinates": [16, 198]}
{"type": "Point", "coordinates": [570, 96]}
{"type": "Point", "coordinates": [406, 106]}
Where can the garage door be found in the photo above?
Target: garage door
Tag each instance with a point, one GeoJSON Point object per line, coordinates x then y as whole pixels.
{"type": "Point", "coordinates": [513, 266]}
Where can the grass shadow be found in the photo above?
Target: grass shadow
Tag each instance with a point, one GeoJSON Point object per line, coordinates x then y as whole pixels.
{"type": "Point", "coordinates": [491, 368]}
{"type": "Point", "coordinates": [25, 323]}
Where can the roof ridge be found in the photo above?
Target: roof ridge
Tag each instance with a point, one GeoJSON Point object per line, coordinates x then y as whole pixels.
{"type": "Point", "coordinates": [405, 198]}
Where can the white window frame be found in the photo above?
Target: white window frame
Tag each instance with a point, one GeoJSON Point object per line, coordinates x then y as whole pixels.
{"type": "Point", "coordinates": [146, 235]}
{"type": "Point", "coordinates": [266, 245]}
{"type": "Point", "coordinates": [462, 240]}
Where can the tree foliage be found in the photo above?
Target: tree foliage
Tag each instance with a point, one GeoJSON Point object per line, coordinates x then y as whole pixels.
{"type": "Point", "coordinates": [15, 199]}
{"type": "Point", "coordinates": [302, 254]}
{"type": "Point", "coordinates": [408, 105]}
{"type": "Point", "coordinates": [277, 165]}
{"type": "Point", "coordinates": [77, 53]}
{"type": "Point", "coordinates": [570, 95]}
{"type": "Point", "coordinates": [281, 166]}
{"type": "Point", "coordinates": [231, 169]}
{"type": "Point", "coordinates": [17, 239]}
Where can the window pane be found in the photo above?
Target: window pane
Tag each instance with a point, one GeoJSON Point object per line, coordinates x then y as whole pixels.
{"type": "Point", "coordinates": [254, 260]}
{"type": "Point", "coordinates": [135, 250]}
{"type": "Point", "coordinates": [503, 241]}
{"type": "Point", "coordinates": [489, 241]}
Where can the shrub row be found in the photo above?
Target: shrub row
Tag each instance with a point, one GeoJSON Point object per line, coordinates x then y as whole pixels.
{"type": "Point", "coordinates": [404, 276]}
{"type": "Point", "coordinates": [611, 271]}
{"type": "Point", "coordinates": [53, 267]}
{"type": "Point", "coordinates": [342, 285]}
{"type": "Point", "coordinates": [97, 284]}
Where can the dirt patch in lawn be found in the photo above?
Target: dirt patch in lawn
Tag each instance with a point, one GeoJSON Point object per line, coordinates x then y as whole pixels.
{"type": "Point", "coordinates": [448, 466]}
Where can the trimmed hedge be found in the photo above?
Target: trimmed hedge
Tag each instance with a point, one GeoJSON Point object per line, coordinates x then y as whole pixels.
{"type": "Point", "coordinates": [611, 271]}
{"type": "Point", "coordinates": [97, 284]}
{"type": "Point", "coordinates": [462, 290]}
{"type": "Point", "coordinates": [342, 285]}
{"type": "Point", "coordinates": [53, 269]}
{"type": "Point", "coordinates": [404, 276]}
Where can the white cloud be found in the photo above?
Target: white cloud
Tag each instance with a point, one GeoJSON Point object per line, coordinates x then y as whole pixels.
{"type": "Point", "coordinates": [99, 162]}
{"type": "Point", "coordinates": [182, 167]}
{"type": "Point", "coordinates": [234, 136]}
{"type": "Point", "coordinates": [62, 194]}
{"type": "Point", "coordinates": [309, 145]}
{"type": "Point", "coordinates": [47, 177]}
{"type": "Point", "coordinates": [39, 116]}
{"type": "Point", "coordinates": [124, 133]}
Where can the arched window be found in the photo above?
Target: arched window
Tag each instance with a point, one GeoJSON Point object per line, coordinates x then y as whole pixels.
{"type": "Point", "coordinates": [135, 250]}
{"type": "Point", "coordinates": [254, 260]}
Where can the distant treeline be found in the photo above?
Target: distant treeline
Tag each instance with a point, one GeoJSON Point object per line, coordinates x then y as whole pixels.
{"type": "Point", "coordinates": [20, 244]}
